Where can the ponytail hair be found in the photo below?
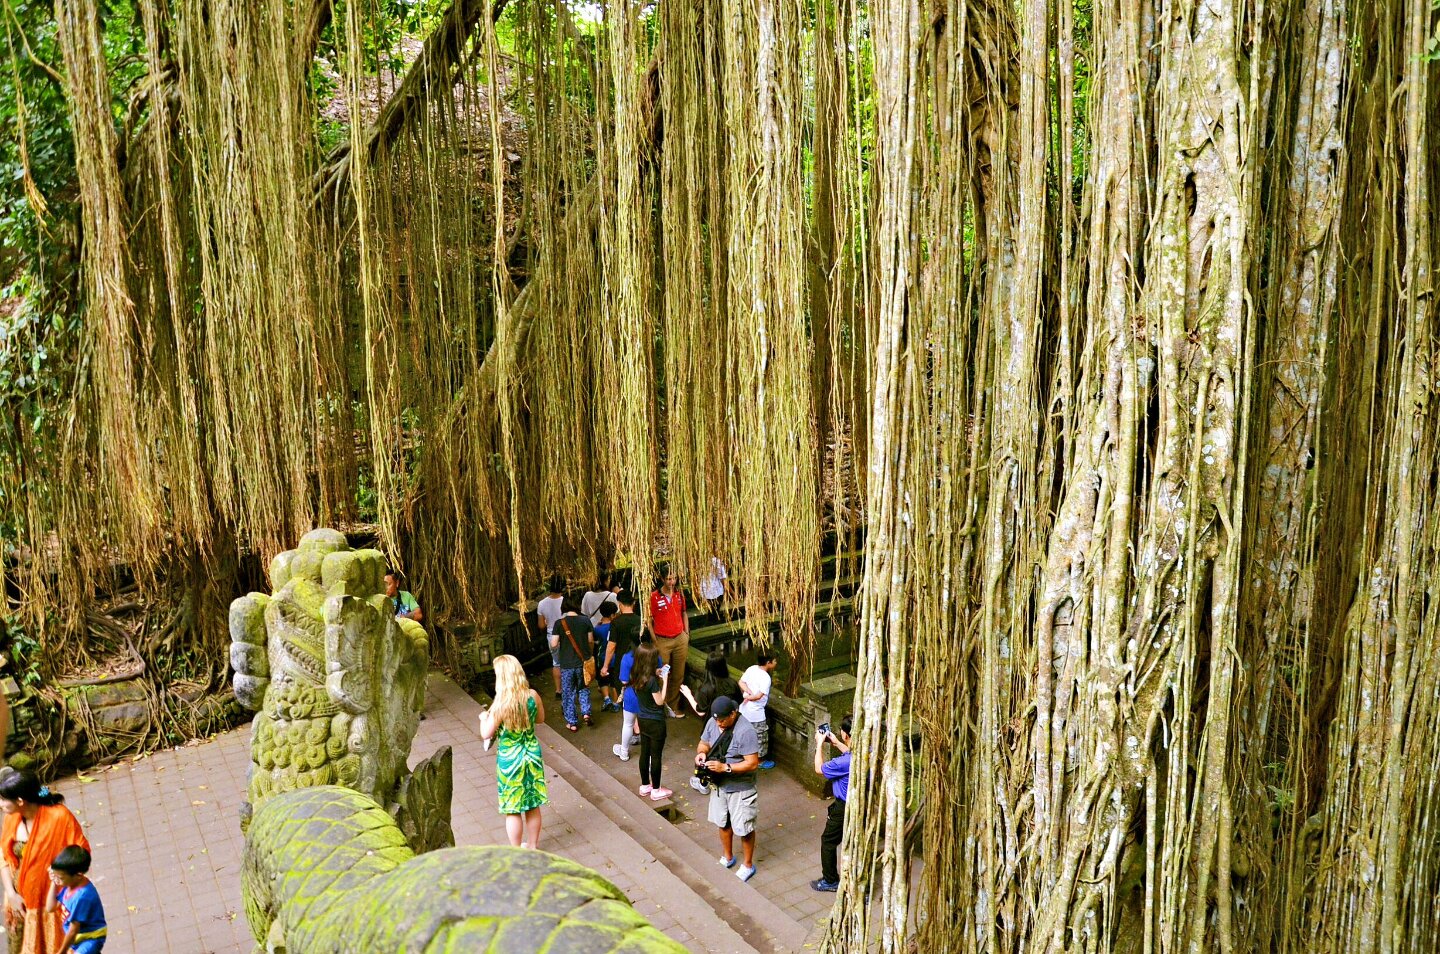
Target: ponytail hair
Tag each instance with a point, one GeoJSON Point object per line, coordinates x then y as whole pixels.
{"type": "Point", "coordinates": [18, 786]}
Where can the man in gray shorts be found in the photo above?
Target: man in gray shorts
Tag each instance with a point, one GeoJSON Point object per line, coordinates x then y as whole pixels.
{"type": "Point", "coordinates": [730, 750]}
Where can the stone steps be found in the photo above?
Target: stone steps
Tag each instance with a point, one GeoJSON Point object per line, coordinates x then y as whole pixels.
{"type": "Point", "coordinates": [762, 923]}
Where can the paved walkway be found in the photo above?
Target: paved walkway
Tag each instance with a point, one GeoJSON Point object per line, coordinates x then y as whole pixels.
{"type": "Point", "coordinates": [167, 844]}
{"type": "Point", "coordinates": [787, 846]}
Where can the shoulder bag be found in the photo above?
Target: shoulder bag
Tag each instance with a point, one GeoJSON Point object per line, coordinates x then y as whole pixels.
{"type": "Point", "coordinates": [589, 666]}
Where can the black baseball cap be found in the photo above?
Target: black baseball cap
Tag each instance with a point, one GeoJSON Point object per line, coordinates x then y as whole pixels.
{"type": "Point", "coordinates": [722, 707]}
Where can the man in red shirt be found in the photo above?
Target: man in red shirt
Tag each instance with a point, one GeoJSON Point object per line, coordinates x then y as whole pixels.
{"type": "Point", "coordinates": [672, 635]}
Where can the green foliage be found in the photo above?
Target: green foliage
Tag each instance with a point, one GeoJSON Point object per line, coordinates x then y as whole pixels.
{"type": "Point", "coordinates": [38, 341]}
{"type": "Point", "coordinates": [391, 26]}
{"type": "Point", "coordinates": [33, 109]}
{"type": "Point", "coordinates": [1432, 45]}
{"type": "Point", "coordinates": [23, 651]}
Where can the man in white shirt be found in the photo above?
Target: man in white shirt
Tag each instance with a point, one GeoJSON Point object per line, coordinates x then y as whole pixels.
{"type": "Point", "coordinates": [715, 586]}
{"type": "Point", "coordinates": [550, 610]}
{"type": "Point", "coordinates": [755, 689]}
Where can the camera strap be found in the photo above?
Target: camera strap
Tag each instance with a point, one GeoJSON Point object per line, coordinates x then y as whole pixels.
{"type": "Point", "coordinates": [721, 748]}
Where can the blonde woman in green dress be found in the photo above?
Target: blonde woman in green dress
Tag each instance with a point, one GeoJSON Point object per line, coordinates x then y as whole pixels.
{"type": "Point", "coordinates": [520, 769]}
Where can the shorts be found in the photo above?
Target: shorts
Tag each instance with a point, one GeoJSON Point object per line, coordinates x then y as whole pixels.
{"type": "Point", "coordinates": [762, 734]}
{"type": "Point", "coordinates": [92, 945]}
{"type": "Point", "coordinates": [737, 810]}
{"type": "Point", "coordinates": [554, 657]}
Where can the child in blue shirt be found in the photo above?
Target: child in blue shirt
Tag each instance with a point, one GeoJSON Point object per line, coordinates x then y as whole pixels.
{"type": "Point", "coordinates": [606, 613]}
{"type": "Point", "coordinates": [630, 703]}
{"type": "Point", "coordinates": [84, 920]}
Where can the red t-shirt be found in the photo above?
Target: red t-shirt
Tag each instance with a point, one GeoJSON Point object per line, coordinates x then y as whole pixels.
{"type": "Point", "coordinates": [667, 613]}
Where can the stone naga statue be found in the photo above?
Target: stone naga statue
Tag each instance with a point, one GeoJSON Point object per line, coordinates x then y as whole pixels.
{"type": "Point", "coordinates": [328, 871]}
{"type": "Point", "coordinates": [337, 682]}
{"type": "Point", "coordinates": [346, 852]}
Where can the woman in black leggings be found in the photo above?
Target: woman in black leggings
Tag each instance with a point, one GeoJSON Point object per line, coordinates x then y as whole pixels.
{"type": "Point", "coordinates": [650, 685]}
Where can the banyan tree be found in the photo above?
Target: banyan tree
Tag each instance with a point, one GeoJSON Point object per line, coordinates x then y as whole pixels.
{"type": "Point", "coordinates": [1105, 328]}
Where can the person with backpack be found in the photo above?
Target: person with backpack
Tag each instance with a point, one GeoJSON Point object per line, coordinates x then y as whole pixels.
{"type": "Point", "coordinates": [730, 751]}
{"type": "Point", "coordinates": [600, 593]}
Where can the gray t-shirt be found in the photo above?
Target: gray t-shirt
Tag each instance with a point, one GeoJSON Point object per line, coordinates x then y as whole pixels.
{"type": "Point", "coordinates": [549, 611]}
{"type": "Point", "coordinates": [743, 742]}
{"type": "Point", "coordinates": [593, 600]}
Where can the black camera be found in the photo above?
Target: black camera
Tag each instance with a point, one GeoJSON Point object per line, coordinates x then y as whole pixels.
{"type": "Point", "coordinates": [708, 777]}
{"type": "Point", "coordinates": [824, 729]}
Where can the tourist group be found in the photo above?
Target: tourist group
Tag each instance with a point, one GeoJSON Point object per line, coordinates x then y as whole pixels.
{"type": "Point", "coordinates": [640, 671]}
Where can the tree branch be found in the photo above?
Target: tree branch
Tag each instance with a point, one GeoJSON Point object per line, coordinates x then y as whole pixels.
{"type": "Point", "coordinates": [434, 70]}
{"type": "Point", "coordinates": [307, 40]}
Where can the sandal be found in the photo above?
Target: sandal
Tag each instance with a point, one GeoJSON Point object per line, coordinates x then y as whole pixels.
{"type": "Point", "coordinates": [572, 727]}
{"type": "Point", "coordinates": [586, 720]}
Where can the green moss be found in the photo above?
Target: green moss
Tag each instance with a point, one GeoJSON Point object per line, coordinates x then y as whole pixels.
{"type": "Point", "coordinates": [24, 761]}
{"type": "Point", "coordinates": [332, 868]}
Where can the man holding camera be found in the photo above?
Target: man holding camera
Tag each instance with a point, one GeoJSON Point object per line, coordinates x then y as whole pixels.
{"type": "Point", "coordinates": [836, 773]}
{"type": "Point", "coordinates": [729, 751]}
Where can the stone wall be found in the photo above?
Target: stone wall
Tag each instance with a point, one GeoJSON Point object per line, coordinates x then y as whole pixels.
{"type": "Point", "coordinates": [100, 721]}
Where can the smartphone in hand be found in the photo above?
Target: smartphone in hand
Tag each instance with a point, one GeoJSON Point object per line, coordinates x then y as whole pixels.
{"type": "Point", "coordinates": [664, 669]}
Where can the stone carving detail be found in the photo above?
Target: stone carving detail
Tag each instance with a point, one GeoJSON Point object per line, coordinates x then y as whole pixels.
{"type": "Point", "coordinates": [326, 870]}
{"type": "Point", "coordinates": [337, 683]}
{"type": "Point", "coordinates": [424, 802]}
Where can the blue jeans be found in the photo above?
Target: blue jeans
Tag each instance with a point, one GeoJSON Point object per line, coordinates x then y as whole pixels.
{"type": "Point", "coordinates": [572, 689]}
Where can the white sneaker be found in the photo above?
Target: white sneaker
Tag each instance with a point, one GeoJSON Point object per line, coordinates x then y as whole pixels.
{"type": "Point", "coordinates": [673, 714]}
{"type": "Point", "coordinates": [746, 872]}
{"type": "Point", "coordinates": [644, 789]}
{"type": "Point", "coordinates": [635, 739]}
{"type": "Point", "coordinates": [621, 751]}
{"type": "Point", "coordinates": [699, 786]}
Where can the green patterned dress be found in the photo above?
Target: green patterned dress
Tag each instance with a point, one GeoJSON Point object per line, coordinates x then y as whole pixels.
{"type": "Point", "coordinates": [520, 770]}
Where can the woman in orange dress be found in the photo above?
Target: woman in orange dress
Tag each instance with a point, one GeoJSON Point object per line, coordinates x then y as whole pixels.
{"type": "Point", "coordinates": [37, 827]}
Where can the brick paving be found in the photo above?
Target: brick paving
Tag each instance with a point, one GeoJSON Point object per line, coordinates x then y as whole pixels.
{"type": "Point", "coordinates": [787, 847]}
{"type": "Point", "coordinates": [167, 844]}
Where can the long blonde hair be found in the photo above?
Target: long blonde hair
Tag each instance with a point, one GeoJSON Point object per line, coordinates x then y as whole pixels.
{"type": "Point", "coordinates": [512, 691]}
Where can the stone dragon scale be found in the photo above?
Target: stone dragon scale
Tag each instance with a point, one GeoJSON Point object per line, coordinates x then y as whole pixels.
{"type": "Point", "coordinates": [327, 869]}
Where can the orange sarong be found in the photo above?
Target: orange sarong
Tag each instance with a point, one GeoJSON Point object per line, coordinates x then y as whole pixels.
{"type": "Point", "coordinates": [42, 932]}
{"type": "Point", "coordinates": [51, 831]}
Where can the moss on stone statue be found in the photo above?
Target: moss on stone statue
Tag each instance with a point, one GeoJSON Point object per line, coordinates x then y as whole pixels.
{"type": "Point", "coordinates": [336, 681]}
{"type": "Point", "coordinates": [328, 870]}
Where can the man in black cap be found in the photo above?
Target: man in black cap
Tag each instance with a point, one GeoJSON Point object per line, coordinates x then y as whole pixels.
{"type": "Point", "coordinates": [730, 750]}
